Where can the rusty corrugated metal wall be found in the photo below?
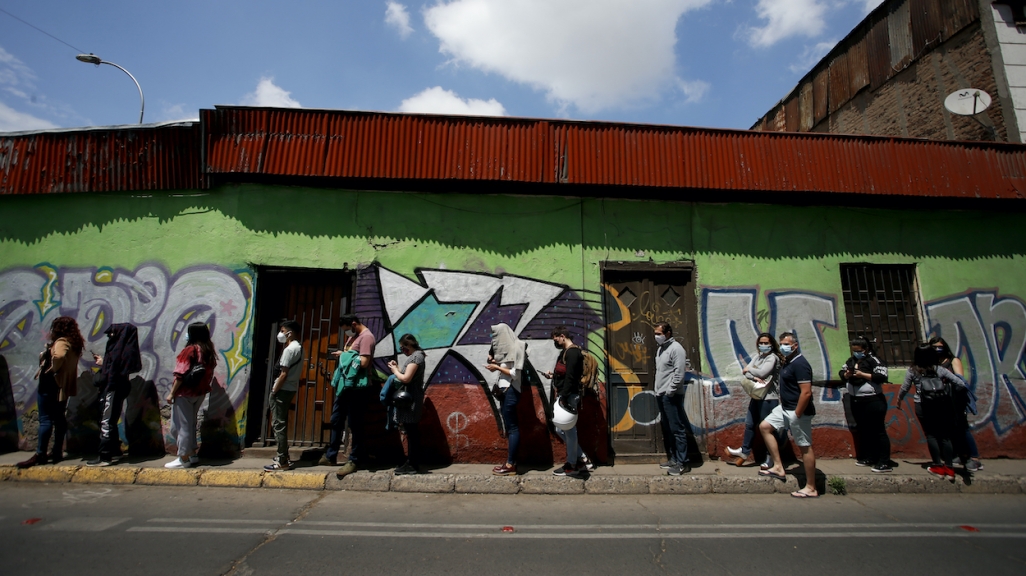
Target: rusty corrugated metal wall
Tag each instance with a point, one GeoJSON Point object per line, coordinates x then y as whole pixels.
{"type": "Point", "coordinates": [101, 160]}
{"type": "Point", "coordinates": [885, 43]}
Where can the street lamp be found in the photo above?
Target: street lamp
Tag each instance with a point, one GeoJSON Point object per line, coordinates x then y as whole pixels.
{"type": "Point", "coordinates": [94, 59]}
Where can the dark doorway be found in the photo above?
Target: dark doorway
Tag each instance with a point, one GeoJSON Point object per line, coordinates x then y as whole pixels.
{"type": "Point", "coordinates": [316, 299]}
{"type": "Point", "coordinates": [636, 297]}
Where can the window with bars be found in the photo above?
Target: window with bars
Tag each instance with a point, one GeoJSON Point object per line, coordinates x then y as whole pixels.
{"type": "Point", "coordinates": [881, 302]}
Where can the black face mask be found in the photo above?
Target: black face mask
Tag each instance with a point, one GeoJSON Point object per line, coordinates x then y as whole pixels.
{"type": "Point", "coordinates": [556, 344]}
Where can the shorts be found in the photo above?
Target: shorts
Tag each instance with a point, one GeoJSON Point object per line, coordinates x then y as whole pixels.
{"type": "Point", "coordinates": [801, 428]}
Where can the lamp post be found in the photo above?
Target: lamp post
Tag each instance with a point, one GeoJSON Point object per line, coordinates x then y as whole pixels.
{"type": "Point", "coordinates": [94, 59]}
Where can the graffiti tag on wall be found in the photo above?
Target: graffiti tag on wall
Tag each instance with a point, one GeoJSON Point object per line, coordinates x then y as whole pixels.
{"type": "Point", "coordinates": [159, 303]}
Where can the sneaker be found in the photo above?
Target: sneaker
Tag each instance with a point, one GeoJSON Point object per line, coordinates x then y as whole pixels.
{"type": "Point", "coordinates": [950, 473]}
{"type": "Point", "coordinates": [506, 469]}
{"type": "Point", "coordinates": [405, 469]}
{"type": "Point", "coordinates": [973, 466]}
{"type": "Point", "coordinates": [100, 462]}
{"type": "Point", "coordinates": [566, 469]}
{"type": "Point", "coordinates": [325, 461]}
{"type": "Point", "coordinates": [667, 464]}
{"type": "Point", "coordinates": [586, 463]}
{"type": "Point", "coordinates": [678, 470]}
{"type": "Point", "coordinates": [737, 452]}
{"type": "Point", "coordinates": [278, 464]}
{"type": "Point", "coordinates": [940, 471]}
{"type": "Point", "coordinates": [55, 458]}
{"type": "Point", "coordinates": [956, 461]}
{"type": "Point", "coordinates": [863, 463]}
{"type": "Point", "coordinates": [193, 460]}
{"type": "Point", "coordinates": [348, 468]}
{"type": "Point", "coordinates": [178, 463]}
{"type": "Point", "coordinates": [881, 468]}
{"type": "Point", "coordinates": [33, 461]}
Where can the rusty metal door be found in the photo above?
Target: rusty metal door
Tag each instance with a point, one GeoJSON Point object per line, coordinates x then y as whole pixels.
{"type": "Point", "coordinates": [635, 300]}
{"type": "Point", "coordinates": [315, 301]}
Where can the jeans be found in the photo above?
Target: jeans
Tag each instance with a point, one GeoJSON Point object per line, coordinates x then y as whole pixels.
{"type": "Point", "coordinates": [870, 414]}
{"type": "Point", "coordinates": [350, 405]}
{"type": "Point", "coordinates": [674, 422]}
{"type": "Point", "coordinates": [184, 412]}
{"type": "Point", "coordinates": [758, 410]}
{"type": "Point", "coordinates": [510, 400]}
{"type": "Point", "coordinates": [53, 421]}
{"type": "Point", "coordinates": [280, 403]}
{"type": "Point", "coordinates": [111, 402]}
{"type": "Point", "coordinates": [574, 453]}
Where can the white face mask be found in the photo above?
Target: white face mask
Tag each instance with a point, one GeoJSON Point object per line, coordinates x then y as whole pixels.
{"type": "Point", "coordinates": [660, 339]}
{"type": "Point", "coordinates": [282, 337]}
{"type": "Point", "coordinates": [786, 349]}
{"type": "Point", "coordinates": [765, 348]}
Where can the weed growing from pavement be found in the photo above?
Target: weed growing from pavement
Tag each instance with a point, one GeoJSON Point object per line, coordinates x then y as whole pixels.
{"type": "Point", "coordinates": [837, 486]}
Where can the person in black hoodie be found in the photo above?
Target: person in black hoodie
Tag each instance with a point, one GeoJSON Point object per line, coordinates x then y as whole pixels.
{"type": "Point", "coordinates": [864, 376]}
{"type": "Point", "coordinates": [121, 359]}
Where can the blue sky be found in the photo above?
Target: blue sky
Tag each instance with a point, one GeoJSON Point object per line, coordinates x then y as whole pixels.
{"type": "Point", "coordinates": [713, 63]}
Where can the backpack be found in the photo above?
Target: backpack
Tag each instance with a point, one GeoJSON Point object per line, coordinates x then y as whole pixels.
{"type": "Point", "coordinates": [193, 377]}
{"type": "Point", "coordinates": [933, 388]}
{"type": "Point", "coordinates": [589, 375]}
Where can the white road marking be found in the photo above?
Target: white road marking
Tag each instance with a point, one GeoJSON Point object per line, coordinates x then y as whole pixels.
{"type": "Point", "coordinates": [200, 530]}
{"type": "Point", "coordinates": [696, 527]}
{"type": "Point", "coordinates": [214, 521]}
{"type": "Point", "coordinates": [652, 536]}
{"type": "Point", "coordinates": [82, 524]}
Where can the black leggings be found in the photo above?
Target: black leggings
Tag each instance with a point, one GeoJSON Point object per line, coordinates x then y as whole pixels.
{"type": "Point", "coordinates": [945, 431]}
{"type": "Point", "coordinates": [870, 413]}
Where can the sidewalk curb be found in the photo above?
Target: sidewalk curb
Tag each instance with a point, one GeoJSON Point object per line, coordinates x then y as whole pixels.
{"type": "Point", "coordinates": [447, 483]}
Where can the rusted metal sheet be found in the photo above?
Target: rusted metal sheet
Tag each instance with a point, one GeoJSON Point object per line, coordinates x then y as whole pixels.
{"type": "Point", "coordinates": [806, 107]}
{"type": "Point", "coordinates": [791, 119]}
{"type": "Point", "coordinates": [926, 25]}
{"type": "Point", "coordinates": [899, 29]}
{"type": "Point", "coordinates": [957, 14]}
{"type": "Point", "coordinates": [839, 82]}
{"type": "Point", "coordinates": [858, 66]}
{"type": "Point", "coordinates": [820, 94]}
{"type": "Point", "coordinates": [101, 160]}
{"type": "Point", "coordinates": [878, 54]}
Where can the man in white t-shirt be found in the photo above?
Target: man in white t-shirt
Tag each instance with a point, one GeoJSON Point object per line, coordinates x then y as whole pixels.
{"type": "Point", "coordinates": [284, 390]}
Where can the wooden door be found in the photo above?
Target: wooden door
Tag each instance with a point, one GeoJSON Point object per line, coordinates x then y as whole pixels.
{"type": "Point", "coordinates": [634, 302]}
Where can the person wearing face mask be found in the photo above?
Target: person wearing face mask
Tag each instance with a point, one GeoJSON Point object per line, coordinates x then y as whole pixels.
{"type": "Point", "coordinates": [185, 399]}
{"type": "Point", "coordinates": [410, 377]}
{"type": "Point", "coordinates": [794, 413]}
{"type": "Point", "coordinates": [954, 364]}
{"type": "Point", "coordinates": [566, 381]}
{"type": "Point", "coordinates": [352, 400]}
{"type": "Point", "coordinates": [670, 368]}
{"type": "Point", "coordinates": [506, 359]}
{"type": "Point", "coordinates": [762, 371]}
{"type": "Point", "coordinates": [284, 390]}
{"type": "Point", "coordinates": [864, 375]}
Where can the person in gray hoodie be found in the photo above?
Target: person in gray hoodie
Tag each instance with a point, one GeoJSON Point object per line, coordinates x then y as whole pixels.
{"type": "Point", "coordinates": [671, 365]}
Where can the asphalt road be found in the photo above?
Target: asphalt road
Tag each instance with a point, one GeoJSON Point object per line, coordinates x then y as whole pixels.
{"type": "Point", "coordinates": [65, 529]}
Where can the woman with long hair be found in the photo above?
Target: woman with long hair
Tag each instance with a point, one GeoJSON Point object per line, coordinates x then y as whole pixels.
{"type": "Point", "coordinates": [762, 372]}
{"type": "Point", "coordinates": [953, 363]}
{"type": "Point", "coordinates": [506, 359]}
{"type": "Point", "coordinates": [58, 381]}
{"type": "Point", "coordinates": [935, 386]}
{"type": "Point", "coordinates": [188, 390]}
{"type": "Point", "coordinates": [409, 407]}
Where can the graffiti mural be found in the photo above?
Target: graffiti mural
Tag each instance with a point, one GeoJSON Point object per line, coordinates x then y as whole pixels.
{"type": "Point", "coordinates": [988, 332]}
{"type": "Point", "coordinates": [159, 303]}
{"type": "Point", "coordinates": [450, 313]}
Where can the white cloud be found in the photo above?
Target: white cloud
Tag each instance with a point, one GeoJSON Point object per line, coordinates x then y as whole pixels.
{"type": "Point", "coordinates": [693, 90]}
{"type": "Point", "coordinates": [269, 94]}
{"type": "Point", "coordinates": [13, 121]}
{"type": "Point", "coordinates": [176, 113]}
{"type": "Point", "coordinates": [868, 5]}
{"type": "Point", "coordinates": [811, 55]}
{"type": "Point", "coordinates": [592, 54]}
{"type": "Point", "coordinates": [440, 101]}
{"type": "Point", "coordinates": [397, 17]}
{"type": "Point", "coordinates": [786, 18]}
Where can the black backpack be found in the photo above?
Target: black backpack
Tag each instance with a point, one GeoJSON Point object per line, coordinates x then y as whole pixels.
{"type": "Point", "coordinates": [933, 388]}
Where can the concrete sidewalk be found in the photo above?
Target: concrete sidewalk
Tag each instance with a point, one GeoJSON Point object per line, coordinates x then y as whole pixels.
{"type": "Point", "coordinates": [1000, 476]}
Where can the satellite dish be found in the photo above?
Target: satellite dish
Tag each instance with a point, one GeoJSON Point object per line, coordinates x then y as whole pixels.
{"type": "Point", "coordinates": [967, 102]}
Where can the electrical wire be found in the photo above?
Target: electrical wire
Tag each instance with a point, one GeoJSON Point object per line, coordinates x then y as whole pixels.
{"type": "Point", "coordinates": [43, 31]}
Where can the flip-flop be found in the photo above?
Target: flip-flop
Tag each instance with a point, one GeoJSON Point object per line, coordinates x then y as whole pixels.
{"type": "Point", "coordinates": [803, 495]}
{"type": "Point", "coordinates": [768, 474]}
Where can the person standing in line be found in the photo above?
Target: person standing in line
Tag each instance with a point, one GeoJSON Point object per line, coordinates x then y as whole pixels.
{"type": "Point", "coordinates": [864, 376]}
{"type": "Point", "coordinates": [409, 407]}
{"type": "Point", "coordinates": [284, 390]}
{"type": "Point", "coordinates": [935, 386]}
{"type": "Point", "coordinates": [120, 359]}
{"type": "Point", "coordinates": [186, 399]}
{"type": "Point", "coordinates": [795, 413]}
{"type": "Point", "coordinates": [566, 382]}
{"type": "Point", "coordinates": [351, 403]}
{"type": "Point", "coordinates": [58, 381]}
{"type": "Point", "coordinates": [954, 364]}
{"type": "Point", "coordinates": [670, 370]}
{"type": "Point", "coordinates": [506, 359]}
{"type": "Point", "coordinates": [762, 371]}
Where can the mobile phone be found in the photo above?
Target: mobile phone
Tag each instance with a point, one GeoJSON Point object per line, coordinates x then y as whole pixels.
{"type": "Point", "coordinates": [331, 351]}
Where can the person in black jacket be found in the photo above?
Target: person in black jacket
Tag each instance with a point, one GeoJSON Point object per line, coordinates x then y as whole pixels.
{"type": "Point", "coordinates": [864, 376]}
{"type": "Point", "coordinates": [566, 383]}
{"type": "Point", "coordinates": [120, 360]}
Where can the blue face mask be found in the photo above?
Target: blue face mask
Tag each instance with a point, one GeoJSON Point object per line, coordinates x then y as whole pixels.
{"type": "Point", "coordinates": [765, 348]}
{"type": "Point", "coordinates": [786, 349]}
{"type": "Point", "coordinates": [859, 355]}
{"type": "Point", "coordinates": [186, 338]}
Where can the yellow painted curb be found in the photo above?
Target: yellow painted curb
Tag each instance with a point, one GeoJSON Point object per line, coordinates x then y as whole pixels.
{"type": "Point", "coordinates": [46, 474]}
{"type": "Point", "coordinates": [231, 478]}
{"type": "Point", "coordinates": [168, 477]}
{"type": "Point", "coordinates": [106, 475]}
{"type": "Point", "coordinates": [6, 472]}
{"type": "Point", "coordinates": [295, 480]}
